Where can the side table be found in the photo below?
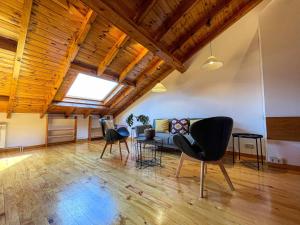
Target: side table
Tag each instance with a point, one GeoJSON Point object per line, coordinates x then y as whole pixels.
{"type": "Point", "coordinates": [249, 136]}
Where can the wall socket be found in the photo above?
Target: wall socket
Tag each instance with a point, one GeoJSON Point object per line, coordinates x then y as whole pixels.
{"type": "Point", "coordinates": [276, 160]}
{"type": "Point", "coordinates": [249, 146]}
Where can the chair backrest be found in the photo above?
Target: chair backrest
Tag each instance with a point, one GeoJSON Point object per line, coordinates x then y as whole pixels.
{"type": "Point", "coordinates": [212, 136]}
{"type": "Point", "coordinates": [111, 135]}
{"type": "Point", "coordinates": [106, 124]}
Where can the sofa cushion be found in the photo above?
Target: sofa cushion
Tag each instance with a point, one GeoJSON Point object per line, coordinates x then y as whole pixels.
{"type": "Point", "coordinates": [164, 136]}
{"type": "Point", "coordinates": [162, 126]}
{"type": "Point", "coordinates": [179, 126]}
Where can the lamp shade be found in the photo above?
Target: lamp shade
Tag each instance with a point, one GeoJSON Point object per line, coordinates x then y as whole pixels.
{"type": "Point", "coordinates": [212, 63]}
{"type": "Point", "coordinates": [159, 87]}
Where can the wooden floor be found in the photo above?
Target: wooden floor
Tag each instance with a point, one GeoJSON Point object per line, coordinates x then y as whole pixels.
{"type": "Point", "coordinates": [68, 184]}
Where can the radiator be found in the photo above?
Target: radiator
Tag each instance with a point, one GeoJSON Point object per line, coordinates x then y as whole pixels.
{"type": "Point", "coordinates": [3, 127]}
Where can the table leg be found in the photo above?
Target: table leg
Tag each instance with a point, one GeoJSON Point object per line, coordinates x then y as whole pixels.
{"type": "Point", "coordinates": [261, 152]}
{"type": "Point", "coordinates": [239, 148]}
{"type": "Point", "coordinates": [233, 150]}
{"type": "Point", "coordinates": [257, 154]}
{"type": "Point", "coordinates": [141, 156]}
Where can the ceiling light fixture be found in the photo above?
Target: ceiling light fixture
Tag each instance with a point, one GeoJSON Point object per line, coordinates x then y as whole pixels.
{"type": "Point", "coordinates": [159, 87]}
{"type": "Point", "coordinates": [212, 63]}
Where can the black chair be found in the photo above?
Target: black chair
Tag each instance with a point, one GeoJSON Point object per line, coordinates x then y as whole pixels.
{"type": "Point", "coordinates": [116, 135]}
{"type": "Point", "coordinates": [211, 137]}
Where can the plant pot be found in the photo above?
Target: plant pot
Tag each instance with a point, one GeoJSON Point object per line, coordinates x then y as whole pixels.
{"type": "Point", "coordinates": [149, 133]}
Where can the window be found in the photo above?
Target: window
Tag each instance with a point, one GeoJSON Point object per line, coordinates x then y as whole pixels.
{"type": "Point", "coordinates": [89, 87]}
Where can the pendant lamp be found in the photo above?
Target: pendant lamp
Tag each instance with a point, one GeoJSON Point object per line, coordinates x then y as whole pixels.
{"type": "Point", "coordinates": [159, 87]}
{"type": "Point", "coordinates": [212, 63]}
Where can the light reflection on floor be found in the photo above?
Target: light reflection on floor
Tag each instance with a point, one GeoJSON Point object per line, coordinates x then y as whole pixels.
{"type": "Point", "coordinates": [94, 202]}
{"type": "Point", "coordinates": [11, 161]}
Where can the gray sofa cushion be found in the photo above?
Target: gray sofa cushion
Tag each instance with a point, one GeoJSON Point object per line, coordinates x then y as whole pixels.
{"type": "Point", "coordinates": [164, 136]}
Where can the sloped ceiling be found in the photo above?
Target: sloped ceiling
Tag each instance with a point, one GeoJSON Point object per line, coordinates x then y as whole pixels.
{"type": "Point", "coordinates": [44, 44]}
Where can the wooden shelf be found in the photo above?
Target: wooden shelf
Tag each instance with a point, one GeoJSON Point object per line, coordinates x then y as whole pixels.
{"type": "Point", "coordinates": [59, 128]}
{"type": "Point", "coordinates": [94, 131]}
{"type": "Point", "coordinates": [61, 136]}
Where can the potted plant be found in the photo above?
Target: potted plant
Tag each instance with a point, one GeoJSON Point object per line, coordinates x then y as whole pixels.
{"type": "Point", "coordinates": [129, 120]}
{"type": "Point", "coordinates": [141, 118]}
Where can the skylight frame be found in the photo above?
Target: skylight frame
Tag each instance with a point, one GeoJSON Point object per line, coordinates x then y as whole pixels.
{"type": "Point", "coordinates": [75, 87]}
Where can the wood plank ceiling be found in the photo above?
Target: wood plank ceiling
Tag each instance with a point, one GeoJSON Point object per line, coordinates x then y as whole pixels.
{"type": "Point", "coordinates": [44, 44]}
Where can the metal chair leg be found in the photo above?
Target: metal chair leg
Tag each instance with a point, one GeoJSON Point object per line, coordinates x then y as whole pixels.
{"type": "Point", "coordinates": [179, 165]}
{"type": "Point", "coordinates": [226, 175]}
{"type": "Point", "coordinates": [202, 178]}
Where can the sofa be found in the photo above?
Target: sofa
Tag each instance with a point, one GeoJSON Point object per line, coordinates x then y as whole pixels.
{"type": "Point", "coordinates": [166, 136]}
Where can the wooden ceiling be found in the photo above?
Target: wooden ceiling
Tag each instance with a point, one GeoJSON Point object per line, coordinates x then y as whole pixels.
{"type": "Point", "coordinates": [44, 44]}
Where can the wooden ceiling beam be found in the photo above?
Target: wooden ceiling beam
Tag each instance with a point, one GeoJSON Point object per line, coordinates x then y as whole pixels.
{"type": "Point", "coordinates": [116, 101]}
{"type": "Point", "coordinates": [149, 71]}
{"type": "Point", "coordinates": [248, 5]}
{"type": "Point", "coordinates": [68, 5]}
{"type": "Point", "coordinates": [145, 8]}
{"type": "Point", "coordinates": [73, 49]}
{"type": "Point", "coordinates": [146, 74]}
{"type": "Point", "coordinates": [182, 9]}
{"type": "Point", "coordinates": [77, 105]}
{"type": "Point", "coordinates": [142, 92]}
{"type": "Point", "coordinates": [112, 54]}
{"type": "Point", "coordinates": [133, 30]}
{"type": "Point", "coordinates": [124, 38]}
{"type": "Point", "coordinates": [8, 44]}
{"type": "Point", "coordinates": [133, 64]}
{"type": "Point", "coordinates": [87, 113]}
{"type": "Point", "coordinates": [69, 112]}
{"type": "Point", "coordinates": [187, 35]}
{"type": "Point", "coordinates": [113, 94]}
{"type": "Point", "coordinates": [89, 70]}
{"type": "Point", "coordinates": [24, 24]}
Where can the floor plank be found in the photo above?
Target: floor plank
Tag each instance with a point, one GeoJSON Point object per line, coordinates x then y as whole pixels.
{"type": "Point", "coordinates": [68, 184]}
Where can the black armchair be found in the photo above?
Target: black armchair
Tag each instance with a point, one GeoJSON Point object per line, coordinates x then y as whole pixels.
{"type": "Point", "coordinates": [211, 137]}
{"type": "Point", "coordinates": [116, 135]}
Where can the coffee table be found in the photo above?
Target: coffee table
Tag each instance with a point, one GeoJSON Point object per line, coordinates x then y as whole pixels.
{"type": "Point", "coordinates": [148, 151]}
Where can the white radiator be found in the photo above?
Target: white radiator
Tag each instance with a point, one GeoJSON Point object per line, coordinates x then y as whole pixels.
{"type": "Point", "coordinates": [3, 127]}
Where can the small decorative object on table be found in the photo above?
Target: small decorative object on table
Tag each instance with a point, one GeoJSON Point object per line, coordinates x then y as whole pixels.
{"type": "Point", "coordinates": [149, 133]}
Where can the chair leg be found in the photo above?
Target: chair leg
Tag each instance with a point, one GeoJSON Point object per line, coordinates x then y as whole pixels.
{"type": "Point", "coordinates": [120, 150]}
{"type": "Point", "coordinates": [103, 150]}
{"type": "Point", "coordinates": [202, 178]}
{"type": "Point", "coordinates": [126, 146]}
{"type": "Point", "coordinates": [110, 148]}
{"type": "Point", "coordinates": [179, 165]}
{"type": "Point", "coordinates": [226, 175]}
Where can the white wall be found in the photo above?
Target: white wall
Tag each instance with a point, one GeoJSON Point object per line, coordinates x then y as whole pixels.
{"type": "Point", "coordinates": [82, 127]}
{"type": "Point", "coordinates": [280, 42]}
{"type": "Point", "coordinates": [26, 129]}
{"type": "Point", "coordinates": [235, 90]}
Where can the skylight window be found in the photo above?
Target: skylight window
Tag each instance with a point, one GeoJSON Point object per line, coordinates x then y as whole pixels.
{"type": "Point", "coordinates": [89, 87]}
